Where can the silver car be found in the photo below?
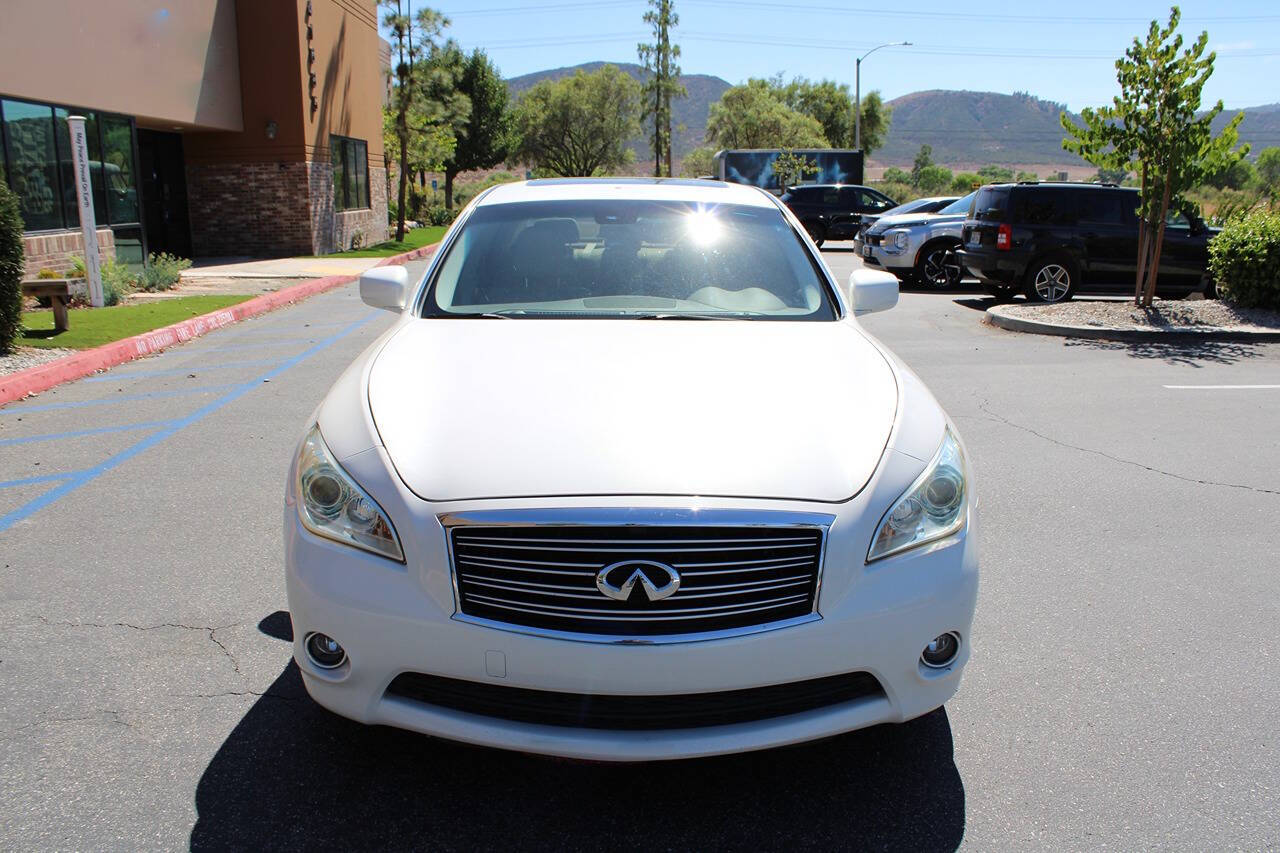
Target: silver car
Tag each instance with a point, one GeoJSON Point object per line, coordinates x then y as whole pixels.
{"type": "Point", "coordinates": [917, 247]}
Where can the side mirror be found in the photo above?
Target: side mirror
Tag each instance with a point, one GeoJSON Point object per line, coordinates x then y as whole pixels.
{"type": "Point", "coordinates": [385, 287]}
{"type": "Point", "coordinates": [871, 291]}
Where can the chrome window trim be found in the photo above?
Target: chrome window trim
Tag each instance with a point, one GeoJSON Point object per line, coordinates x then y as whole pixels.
{"type": "Point", "coordinates": [635, 517]}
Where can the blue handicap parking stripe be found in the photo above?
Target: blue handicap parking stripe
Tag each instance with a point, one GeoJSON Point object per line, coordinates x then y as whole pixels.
{"type": "Point", "coordinates": [88, 475]}
{"type": "Point", "coordinates": [46, 478]}
{"type": "Point", "coordinates": [123, 398]}
{"type": "Point", "coordinates": [77, 433]}
{"type": "Point", "coordinates": [178, 371]}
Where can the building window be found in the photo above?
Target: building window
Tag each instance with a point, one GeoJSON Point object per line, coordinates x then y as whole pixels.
{"type": "Point", "coordinates": [350, 158]}
{"type": "Point", "coordinates": [40, 168]}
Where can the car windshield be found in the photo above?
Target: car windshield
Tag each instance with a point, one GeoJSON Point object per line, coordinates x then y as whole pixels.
{"type": "Point", "coordinates": [628, 259]}
{"type": "Point", "coordinates": [920, 204]}
{"type": "Point", "coordinates": [960, 205]}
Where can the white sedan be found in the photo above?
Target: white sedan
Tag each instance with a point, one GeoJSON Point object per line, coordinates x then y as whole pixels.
{"type": "Point", "coordinates": [627, 480]}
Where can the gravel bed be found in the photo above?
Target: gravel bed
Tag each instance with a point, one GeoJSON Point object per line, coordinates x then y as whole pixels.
{"type": "Point", "coordinates": [1198, 315]}
{"type": "Point", "coordinates": [23, 357]}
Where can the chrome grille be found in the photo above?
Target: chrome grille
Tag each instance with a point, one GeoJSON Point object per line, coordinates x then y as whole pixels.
{"type": "Point", "coordinates": [544, 576]}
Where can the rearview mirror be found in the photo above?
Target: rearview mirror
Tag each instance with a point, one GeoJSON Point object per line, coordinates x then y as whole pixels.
{"type": "Point", "coordinates": [871, 291]}
{"type": "Point", "coordinates": [385, 287]}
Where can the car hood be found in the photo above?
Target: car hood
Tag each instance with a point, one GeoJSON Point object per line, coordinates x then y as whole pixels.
{"type": "Point", "coordinates": [506, 408]}
{"type": "Point", "coordinates": [911, 220]}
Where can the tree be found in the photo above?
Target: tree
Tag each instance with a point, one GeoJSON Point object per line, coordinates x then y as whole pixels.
{"type": "Point", "coordinates": [832, 105]}
{"type": "Point", "coordinates": [662, 80]}
{"type": "Point", "coordinates": [894, 175]}
{"type": "Point", "coordinates": [963, 182]}
{"type": "Point", "coordinates": [932, 180]}
{"type": "Point", "coordinates": [924, 159]}
{"type": "Point", "coordinates": [876, 116]}
{"type": "Point", "coordinates": [995, 174]}
{"type": "Point", "coordinates": [1233, 173]}
{"type": "Point", "coordinates": [1153, 125]}
{"type": "Point", "coordinates": [11, 267]}
{"type": "Point", "coordinates": [1112, 176]}
{"type": "Point", "coordinates": [415, 122]}
{"type": "Point", "coordinates": [698, 162]}
{"type": "Point", "coordinates": [1268, 166]}
{"type": "Point", "coordinates": [790, 166]}
{"type": "Point", "coordinates": [579, 125]}
{"type": "Point", "coordinates": [752, 116]}
{"type": "Point", "coordinates": [484, 139]}
{"type": "Point", "coordinates": [1026, 176]}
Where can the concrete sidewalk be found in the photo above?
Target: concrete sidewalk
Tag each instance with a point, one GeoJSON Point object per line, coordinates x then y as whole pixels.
{"type": "Point", "coordinates": [232, 268]}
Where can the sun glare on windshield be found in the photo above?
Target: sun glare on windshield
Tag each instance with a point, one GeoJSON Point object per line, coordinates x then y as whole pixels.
{"type": "Point", "coordinates": [703, 227]}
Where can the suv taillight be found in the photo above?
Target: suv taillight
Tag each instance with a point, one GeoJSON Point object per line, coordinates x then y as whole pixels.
{"type": "Point", "coordinates": [1004, 237]}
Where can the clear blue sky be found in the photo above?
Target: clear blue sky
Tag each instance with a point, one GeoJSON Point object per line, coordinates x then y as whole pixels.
{"type": "Point", "coordinates": [1061, 51]}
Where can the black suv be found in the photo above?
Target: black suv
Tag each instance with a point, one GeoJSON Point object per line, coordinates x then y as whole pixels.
{"type": "Point", "coordinates": [1053, 240]}
{"type": "Point", "coordinates": [834, 211]}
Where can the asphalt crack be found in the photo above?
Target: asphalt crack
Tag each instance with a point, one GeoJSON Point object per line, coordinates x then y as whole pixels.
{"type": "Point", "coordinates": [1172, 474]}
{"type": "Point", "coordinates": [211, 631]}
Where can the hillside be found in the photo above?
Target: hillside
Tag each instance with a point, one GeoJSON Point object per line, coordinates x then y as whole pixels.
{"type": "Point", "coordinates": [964, 128]}
{"type": "Point", "coordinates": [691, 112]}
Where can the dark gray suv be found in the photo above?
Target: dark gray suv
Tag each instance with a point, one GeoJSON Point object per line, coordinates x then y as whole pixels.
{"type": "Point", "coordinates": [834, 211]}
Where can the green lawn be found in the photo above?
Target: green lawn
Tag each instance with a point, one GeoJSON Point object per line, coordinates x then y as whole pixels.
{"type": "Point", "coordinates": [413, 239]}
{"type": "Point", "coordinates": [91, 327]}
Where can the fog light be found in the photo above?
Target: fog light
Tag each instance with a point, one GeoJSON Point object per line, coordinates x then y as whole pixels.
{"type": "Point", "coordinates": [941, 651]}
{"type": "Point", "coordinates": [324, 651]}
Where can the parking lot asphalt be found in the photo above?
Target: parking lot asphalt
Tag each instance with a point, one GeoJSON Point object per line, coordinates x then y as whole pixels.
{"type": "Point", "coordinates": [1122, 692]}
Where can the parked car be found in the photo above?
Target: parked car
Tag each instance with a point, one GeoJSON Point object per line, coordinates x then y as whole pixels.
{"type": "Point", "coordinates": [548, 511]}
{"type": "Point", "coordinates": [1051, 241]}
{"type": "Point", "coordinates": [917, 247]}
{"type": "Point", "coordinates": [920, 205]}
{"type": "Point", "coordinates": [834, 211]}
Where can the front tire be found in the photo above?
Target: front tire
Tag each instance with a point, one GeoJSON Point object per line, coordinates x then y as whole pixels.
{"type": "Point", "coordinates": [1053, 279]}
{"type": "Point", "coordinates": [939, 267]}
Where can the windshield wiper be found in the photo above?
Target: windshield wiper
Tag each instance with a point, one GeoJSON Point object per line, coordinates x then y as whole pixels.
{"type": "Point", "coordinates": [685, 315]}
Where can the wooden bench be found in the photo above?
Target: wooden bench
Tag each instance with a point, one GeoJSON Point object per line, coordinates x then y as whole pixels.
{"type": "Point", "coordinates": [58, 292]}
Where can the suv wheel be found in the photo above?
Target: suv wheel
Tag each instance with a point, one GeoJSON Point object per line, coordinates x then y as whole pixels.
{"type": "Point", "coordinates": [817, 232]}
{"type": "Point", "coordinates": [1052, 279]}
{"type": "Point", "coordinates": [939, 266]}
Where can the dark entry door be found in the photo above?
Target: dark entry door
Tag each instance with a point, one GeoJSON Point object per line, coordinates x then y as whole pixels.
{"type": "Point", "coordinates": [164, 192]}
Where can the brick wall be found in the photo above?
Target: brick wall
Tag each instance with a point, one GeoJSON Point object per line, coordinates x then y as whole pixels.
{"type": "Point", "coordinates": [255, 209]}
{"type": "Point", "coordinates": [277, 209]}
{"type": "Point", "coordinates": [55, 250]}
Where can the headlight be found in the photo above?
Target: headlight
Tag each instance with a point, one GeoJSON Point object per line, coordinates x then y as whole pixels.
{"type": "Point", "coordinates": [900, 239]}
{"type": "Point", "coordinates": [933, 508]}
{"type": "Point", "coordinates": [330, 503]}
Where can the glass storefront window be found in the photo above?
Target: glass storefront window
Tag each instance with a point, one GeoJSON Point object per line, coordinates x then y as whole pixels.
{"type": "Point", "coordinates": [66, 163]}
{"type": "Point", "coordinates": [118, 171]}
{"type": "Point", "coordinates": [350, 159]}
{"type": "Point", "coordinates": [32, 167]}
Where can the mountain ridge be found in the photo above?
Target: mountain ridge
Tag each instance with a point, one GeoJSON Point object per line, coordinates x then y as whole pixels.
{"type": "Point", "coordinates": [962, 127]}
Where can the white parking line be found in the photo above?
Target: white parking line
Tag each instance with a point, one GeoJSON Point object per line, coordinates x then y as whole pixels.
{"type": "Point", "coordinates": [1221, 387]}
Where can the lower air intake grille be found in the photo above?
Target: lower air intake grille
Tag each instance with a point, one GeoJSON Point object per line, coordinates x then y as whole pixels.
{"type": "Point", "coordinates": [691, 578]}
{"type": "Point", "coordinates": [590, 711]}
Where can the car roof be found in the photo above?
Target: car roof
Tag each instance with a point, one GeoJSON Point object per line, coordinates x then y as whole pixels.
{"type": "Point", "coordinates": [826, 186]}
{"type": "Point", "coordinates": [1065, 184]}
{"type": "Point", "coordinates": [640, 189]}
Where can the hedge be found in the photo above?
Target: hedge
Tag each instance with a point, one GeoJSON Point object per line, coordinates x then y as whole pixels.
{"type": "Point", "coordinates": [12, 267]}
{"type": "Point", "coordinates": [1245, 259]}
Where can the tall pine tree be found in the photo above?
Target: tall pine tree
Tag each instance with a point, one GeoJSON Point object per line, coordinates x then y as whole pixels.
{"type": "Point", "coordinates": [662, 80]}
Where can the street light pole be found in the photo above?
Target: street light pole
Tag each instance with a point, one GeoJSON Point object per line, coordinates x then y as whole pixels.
{"type": "Point", "coordinates": [857, 90]}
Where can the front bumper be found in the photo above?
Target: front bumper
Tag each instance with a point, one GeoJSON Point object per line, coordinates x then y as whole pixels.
{"type": "Point", "coordinates": [900, 262]}
{"type": "Point", "coordinates": [395, 618]}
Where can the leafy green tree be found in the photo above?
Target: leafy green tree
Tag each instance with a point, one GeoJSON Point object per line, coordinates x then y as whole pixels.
{"type": "Point", "coordinates": [788, 167]}
{"type": "Point", "coordinates": [662, 80]}
{"type": "Point", "coordinates": [752, 116]}
{"type": "Point", "coordinates": [579, 125]}
{"type": "Point", "coordinates": [12, 267]}
{"type": "Point", "coordinates": [924, 159]}
{"type": "Point", "coordinates": [832, 105]}
{"type": "Point", "coordinates": [484, 139]}
{"type": "Point", "coordinates": [894, 175]}
{"type": "Point", "coordinates": [1153, 125]}
{"type": "Point", "coordinates": [1268, 166]}
{"type": "Point", "coordinates": [963, 182]}
{"type": "Point", "coordinates": [1233, 173]}
{"type": "Point", "coordinates": [698, 162]}
{"type": "Point", "coordinates": [1026, 176]}
{"type": "Point", "coordinates": [933, 179]}
{"type": "Point", "coordinates": [992, 174]}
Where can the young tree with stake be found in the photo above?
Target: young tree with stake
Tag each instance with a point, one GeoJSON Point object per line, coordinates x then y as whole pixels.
{"type": "Point", "coordinates": [662, 82]}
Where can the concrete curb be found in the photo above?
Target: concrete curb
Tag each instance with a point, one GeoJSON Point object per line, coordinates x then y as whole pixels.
{"type": "Point", "coordinates": [23, 383]}
{"type": "Point", "coordinates": [993, 317]}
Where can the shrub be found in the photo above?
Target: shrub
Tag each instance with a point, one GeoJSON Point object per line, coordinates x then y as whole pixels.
{"type": "Point", "coordinates": [162, 272]}
{"type": "Point", "coordinates": [1245, 259]}
{"type": "Point", "coordinates": [45, 272]}
{"type": "Point", "coordinates": [963, 182]}
{"type": "Point", "coordinates": [11, 267]}
{"type": "Point", "coordinates": [439, 215]}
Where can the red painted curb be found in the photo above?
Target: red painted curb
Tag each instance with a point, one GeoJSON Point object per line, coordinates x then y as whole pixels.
{"type": "Point", "coordinates": [23, 383]}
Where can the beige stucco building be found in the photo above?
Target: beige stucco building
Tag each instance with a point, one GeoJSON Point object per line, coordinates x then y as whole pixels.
{"type": "Point", "coordinates": [216, 127]}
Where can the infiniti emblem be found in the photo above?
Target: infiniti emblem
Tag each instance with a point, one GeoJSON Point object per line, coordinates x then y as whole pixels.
{"type": "Point", "coordinates": [658, 580]}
